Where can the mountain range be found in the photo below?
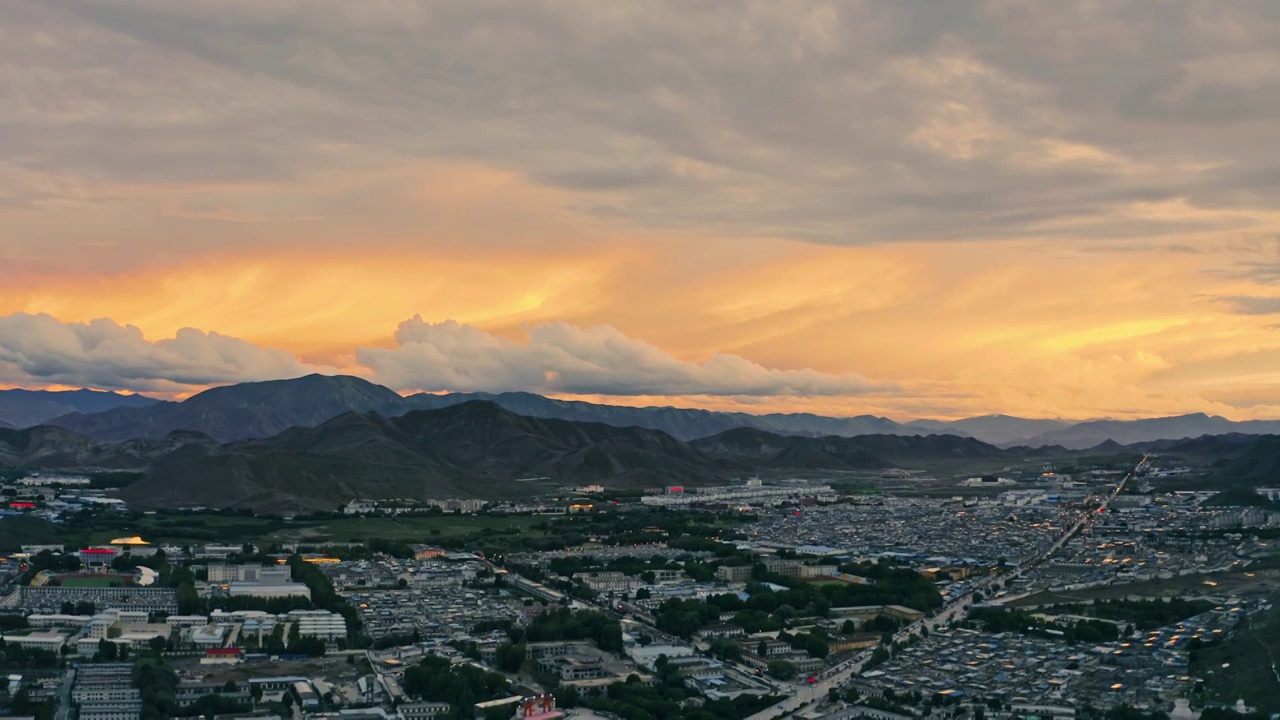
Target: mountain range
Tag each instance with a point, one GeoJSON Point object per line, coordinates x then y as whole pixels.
{"type": "Point", "coordinates": [24, 408]}
{"type": "Point", "coordinates": [471, 449]}
{"type": "Point", "coordinates": [480, 449]}
{"type": "Point", "coordinates": [263, 409]}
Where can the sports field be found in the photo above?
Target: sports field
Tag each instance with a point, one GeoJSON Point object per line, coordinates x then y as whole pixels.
{"type": "Point", "coordinates": [92, 581]}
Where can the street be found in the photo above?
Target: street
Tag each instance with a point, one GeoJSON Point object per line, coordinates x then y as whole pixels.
{"type": "Point", "coordinates": [957, 610]}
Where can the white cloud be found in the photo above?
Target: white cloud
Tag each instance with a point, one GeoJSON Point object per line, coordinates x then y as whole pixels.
{"type": "Point", "coordinates": [562, 358]}
{"type": "Point", "coordinates": [557, 357]}
{"type": "Point", "coordinates": [40, 350]}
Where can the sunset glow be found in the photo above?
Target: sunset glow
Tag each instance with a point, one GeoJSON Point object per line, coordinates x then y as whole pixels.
{"type": "Point", "coordinates": [854, 219]}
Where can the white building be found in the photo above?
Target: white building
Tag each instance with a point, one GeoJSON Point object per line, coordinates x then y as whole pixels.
{"type": "Point", "coordinates": [319, 623]}
{"type": "Point", "coordinates": [42, 640]}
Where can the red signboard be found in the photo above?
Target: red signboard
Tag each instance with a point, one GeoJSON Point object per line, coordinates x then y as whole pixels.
{"type": "Point", "coordinates": [97, 551]}
{"type": "Point", "coordinates": [22, 505]}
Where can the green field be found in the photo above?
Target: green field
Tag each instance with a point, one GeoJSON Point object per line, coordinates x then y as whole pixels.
{"type": "Point", "coordinates": [186, 528]}
{"type": "Point", "coordinates": [92, 582]}
{"type": "Point", "coordinates": [420, 529]}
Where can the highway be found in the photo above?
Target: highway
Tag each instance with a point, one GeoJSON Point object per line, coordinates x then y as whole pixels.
{"type": "Point", "coordinates": [957, 610]}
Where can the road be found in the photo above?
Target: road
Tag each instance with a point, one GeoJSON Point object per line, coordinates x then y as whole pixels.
{"type": "Point", "coordinates": [64, 695]}
{"type": "Point", "coordinates": [956, 610]}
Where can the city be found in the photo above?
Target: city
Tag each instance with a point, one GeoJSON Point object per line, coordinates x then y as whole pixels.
{"type": "Point", "coordinates": [753, 600]}
{"type": "Point", "coordinates": [639, 360]}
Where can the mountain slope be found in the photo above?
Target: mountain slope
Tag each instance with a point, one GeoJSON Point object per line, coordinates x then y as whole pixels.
{"type": "Point", "coordinates": [236, 412]}
{"type": "Point", "coordinates": [26, 408]}
{"type": "Point", "coordinates": [474, 449]}
{"type": "Point", "coordinates": [49, 447]}
{"type": "Point", "coordinates": [1259, 466]}
{"type": "Point", "coordinates": [755, 448]}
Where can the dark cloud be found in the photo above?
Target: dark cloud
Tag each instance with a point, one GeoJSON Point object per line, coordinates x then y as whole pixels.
{"type": "Point", "coordinates": [1253, 305]}
{"type": "Point", "coordinates": [834, 122]}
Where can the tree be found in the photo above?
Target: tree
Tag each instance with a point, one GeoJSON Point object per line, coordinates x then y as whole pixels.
{"type": "Point", "coordinates": [762, 648]}
{"type": "Point", "coordinates": [509, 658]}
{"type": "Point", "coordinates": [643, 594]}
{"type": "Point", "coordinates": [848, 628]}
{"type": "Point", "coordinates": [781, 669]}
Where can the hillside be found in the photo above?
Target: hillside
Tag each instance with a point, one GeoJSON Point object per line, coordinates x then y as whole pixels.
{"type": "Point", "coordinates": [26, 408]}
{"type": "Point", "coordinates": [1259, 466]}
{"type": "Point", "coordinates": [474, 449]}
{"type": "Point", "coordinates": [755, 448]}
{"type": "Point", "coordinates": [50, 447]}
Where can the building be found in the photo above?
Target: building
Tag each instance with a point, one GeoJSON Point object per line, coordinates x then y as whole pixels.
{"type": "Point", "coordinates": [217, 552]}
{"type": "Point", "coordinates": [734, 573]}
{"type": "Point", "coordinates": [40, 640]}
{"type": "Point", "coordinates": [713, 632]}
{"type": "Point", "coordinates": [134, 546]}
{"type": "Point", "coordinates": [426, 710]}
{"type": "Point", "coordinates": [103, 692]}
{"type": "Point", "coordinates": [223, 573]}
{"type": "Point", "coordinates": [97, 558]}
{"type": "Point", "coordinates": [319, 623]}
{"type": "Point", "coordinates": [608, 581]}
{"type": "Point", "coordinates": [50, 599]}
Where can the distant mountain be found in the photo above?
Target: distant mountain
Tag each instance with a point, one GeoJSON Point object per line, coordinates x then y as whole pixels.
{"type": "Point", "coordinates": [258, 410]}
{"type": "Point", "coordinates": [681, 423]}
{"type": "Point", "coordinates": [474, 449]}
{"type": "Point", "coordinates": [754, 448]}
{"type": "Point", "coordinates": [238, 412]}
{"type": "Point", "coordinates": [1001, 429]}
{"type": "Point", "coordinates": [1127, 432]}
{"type": "Point", "coordinates": [264, 409]}
{"type": "Point", "coordinates": [25, 408]}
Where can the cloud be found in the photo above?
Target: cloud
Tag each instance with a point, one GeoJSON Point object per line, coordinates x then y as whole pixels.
{"type": "Point", "coordinates": [561, 358]}
{"type": "Point", "coordinates": [39, 349]}
{"type": "Point", "coordinates": [837, 123]}
{"type": "Point", "coordinates": [1253, 304]}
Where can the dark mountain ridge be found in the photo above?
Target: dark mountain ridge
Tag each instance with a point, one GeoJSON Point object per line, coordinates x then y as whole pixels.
{"type": "Point", "coordinates": [264, 409]}
{"type": "Point", "coordinates": [246, 410]}
{"type": "Point", "coordinates": [754, 448]}
{"type": "Point", "coordinates": [479, 449]}
{"type": "Point", "coordinates": [26, 408]}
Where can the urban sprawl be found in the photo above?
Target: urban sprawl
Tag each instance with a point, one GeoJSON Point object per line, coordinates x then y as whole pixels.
{"type": "Point", "coordinates": [1084, 594]}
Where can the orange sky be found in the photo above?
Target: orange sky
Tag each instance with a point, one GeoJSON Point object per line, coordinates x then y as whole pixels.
{"type": "Point", "coordinates": [810, 213]}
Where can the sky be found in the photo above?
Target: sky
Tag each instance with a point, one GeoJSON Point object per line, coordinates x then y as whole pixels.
{"type": "Point", "coordinates": [911, 209]}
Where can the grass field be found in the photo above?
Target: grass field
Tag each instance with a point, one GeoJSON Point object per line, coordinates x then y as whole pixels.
{"type": "Point", "coordinates": [196, 528]}
{"type": "Point", "coordinates": [102, 581]}
{"type": "Point", "coordinates": [406, 529]}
